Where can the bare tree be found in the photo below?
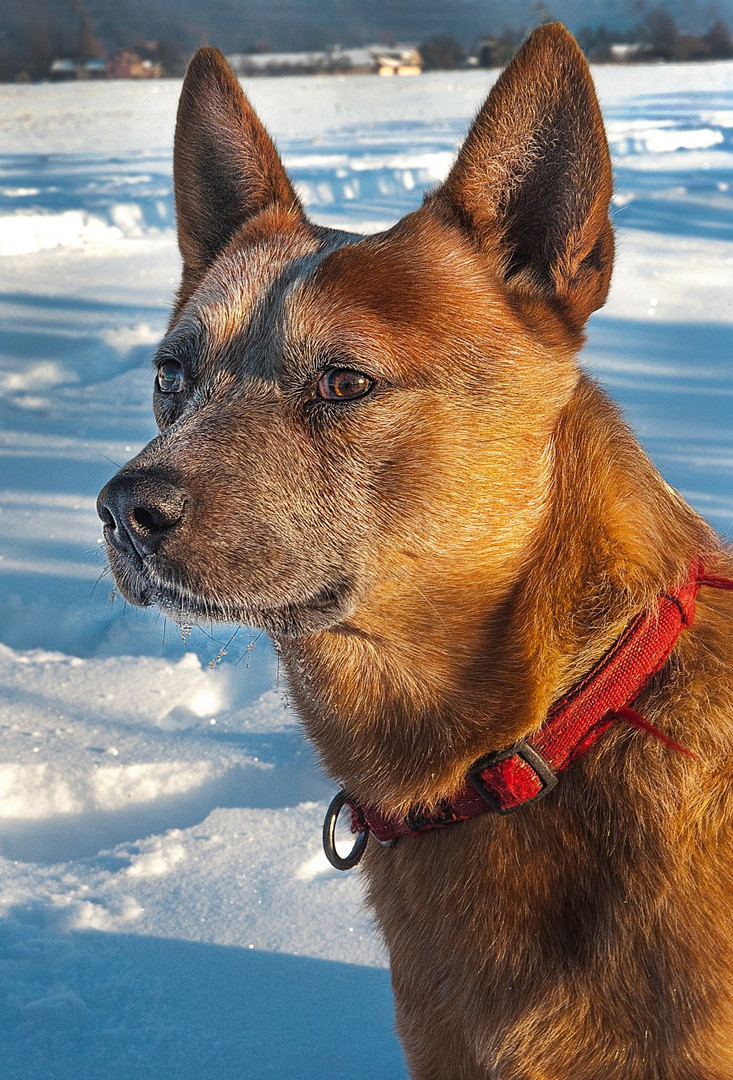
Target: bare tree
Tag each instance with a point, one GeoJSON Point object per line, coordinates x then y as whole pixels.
{"type": "Point", "coordinates": [659, 31]}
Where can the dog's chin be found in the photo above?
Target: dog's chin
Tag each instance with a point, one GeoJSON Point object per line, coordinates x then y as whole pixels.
{"type": "Point", "coordinates": [292, 618]}
{"type": "Point", "coordinates": [310, 613]}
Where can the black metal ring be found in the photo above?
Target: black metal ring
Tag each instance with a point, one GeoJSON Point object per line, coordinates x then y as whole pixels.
{"type": "Point", "coordinates": [329, 836]}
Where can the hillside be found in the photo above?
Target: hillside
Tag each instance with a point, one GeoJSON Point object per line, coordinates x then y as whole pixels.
{"type": "Point", "coordinates": [34, 31]}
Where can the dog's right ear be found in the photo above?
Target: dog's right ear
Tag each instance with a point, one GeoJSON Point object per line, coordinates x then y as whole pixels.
{"type": "Point", "coordinates": [225, 166]}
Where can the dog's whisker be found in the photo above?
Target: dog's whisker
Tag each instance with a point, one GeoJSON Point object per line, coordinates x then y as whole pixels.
{"type": "Point", "coordinates": [106, 570]}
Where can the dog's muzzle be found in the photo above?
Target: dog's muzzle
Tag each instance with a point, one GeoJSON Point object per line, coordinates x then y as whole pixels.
{"type": "Point", "coordinates": [139, 510]}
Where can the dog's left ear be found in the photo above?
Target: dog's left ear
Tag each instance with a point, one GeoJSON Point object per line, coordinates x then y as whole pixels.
{"type": "Point", "coordinates": [225, 166]}
{"type": "Point", "coordinates": [532, 182]}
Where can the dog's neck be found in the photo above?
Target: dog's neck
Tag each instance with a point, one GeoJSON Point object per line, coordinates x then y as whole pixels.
{"type": "Point", "coordinates": [479, 670]}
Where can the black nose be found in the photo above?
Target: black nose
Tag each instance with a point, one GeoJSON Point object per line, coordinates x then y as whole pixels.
{"type": "Point", "coordinates": [139, 510]}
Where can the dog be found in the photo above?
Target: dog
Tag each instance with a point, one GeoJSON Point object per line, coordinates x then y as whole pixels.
{"type": "Point", "coordinates": [382, 451]}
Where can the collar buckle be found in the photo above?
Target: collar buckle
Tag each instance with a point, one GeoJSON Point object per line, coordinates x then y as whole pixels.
{"type": "Point", "coordinates": [530, 756]}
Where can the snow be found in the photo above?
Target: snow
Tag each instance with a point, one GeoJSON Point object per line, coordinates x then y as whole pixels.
{"type": "Point", "coordinates": [165, 908]}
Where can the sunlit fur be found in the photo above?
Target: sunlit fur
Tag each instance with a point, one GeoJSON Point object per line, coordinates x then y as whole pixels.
{"type": "Point", "coordinates": [439, 560]}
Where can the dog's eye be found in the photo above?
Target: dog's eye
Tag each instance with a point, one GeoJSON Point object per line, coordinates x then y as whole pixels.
{"type": "Point", "coordinates": [343, 384]}
{"type": "Point", "coordinates": [170, 377]}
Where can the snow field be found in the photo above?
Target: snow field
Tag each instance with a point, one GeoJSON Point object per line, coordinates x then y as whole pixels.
{"type": "Point", "coordinates": [165, 909]}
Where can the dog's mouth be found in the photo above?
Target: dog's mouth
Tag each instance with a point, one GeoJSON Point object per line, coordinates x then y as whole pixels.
{"type": "Point", "coordinates": [145, 583]}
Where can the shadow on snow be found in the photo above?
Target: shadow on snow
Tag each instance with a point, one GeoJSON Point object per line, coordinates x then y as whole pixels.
{"type": "Point", "coordinates": [87, 1005]}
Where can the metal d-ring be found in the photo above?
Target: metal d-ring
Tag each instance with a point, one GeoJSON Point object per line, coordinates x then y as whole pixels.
{"type": "Point", "coordinates": [329, 835]}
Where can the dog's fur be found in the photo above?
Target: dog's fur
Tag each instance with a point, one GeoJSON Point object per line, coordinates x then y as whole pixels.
{"type": "Point", "coordinates": [441, 558]}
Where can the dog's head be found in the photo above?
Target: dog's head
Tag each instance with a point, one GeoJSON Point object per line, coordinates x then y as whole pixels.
{"type": "Point", "coordinates": [343, 418]}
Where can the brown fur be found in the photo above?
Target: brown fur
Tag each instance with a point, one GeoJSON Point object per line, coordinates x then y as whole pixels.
{"type": "Point", "coordinates": [441, 559]}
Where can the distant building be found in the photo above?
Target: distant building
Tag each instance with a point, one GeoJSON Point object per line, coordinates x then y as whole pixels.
{"type": "Point", "coordinates": [688, 47]}
{"type": "Point", "coordinates": [622, 51]}
{"type": "Point", "coordinates": [358, 61]}
{"type": "Point", "coordinates": [126, 64]}
{"type": "Point", "coordinates": [62, 70]}
{"type": "Point", "coordinates": [398, 60]}
{"type": "Point", "coordinates": [324, 62]}
{"type": "Point", "coordinates": [66, 70]}
{"type": "Point", "coordinates": [94, 69]}
{"type": "Point", "coordinates": [123, 65]}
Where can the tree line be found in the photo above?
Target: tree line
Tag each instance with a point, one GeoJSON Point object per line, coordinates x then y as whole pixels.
{"type": "Point", "coordinates": [657, 37]}
{"type": "Point", "coordinates": [33, 33]}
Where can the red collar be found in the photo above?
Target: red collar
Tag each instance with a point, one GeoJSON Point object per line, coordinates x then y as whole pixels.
{"type": "Point", "coordinates": [507, 780]}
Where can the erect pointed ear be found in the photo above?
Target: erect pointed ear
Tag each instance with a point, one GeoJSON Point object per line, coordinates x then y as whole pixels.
{"type": "Point", "coordinates": [532, 182]}
{"type": "Point", "coordinates": [225, 166]}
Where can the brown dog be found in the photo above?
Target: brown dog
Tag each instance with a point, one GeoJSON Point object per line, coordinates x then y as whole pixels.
{"type": "Point", "coordinates": [381, 450]}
